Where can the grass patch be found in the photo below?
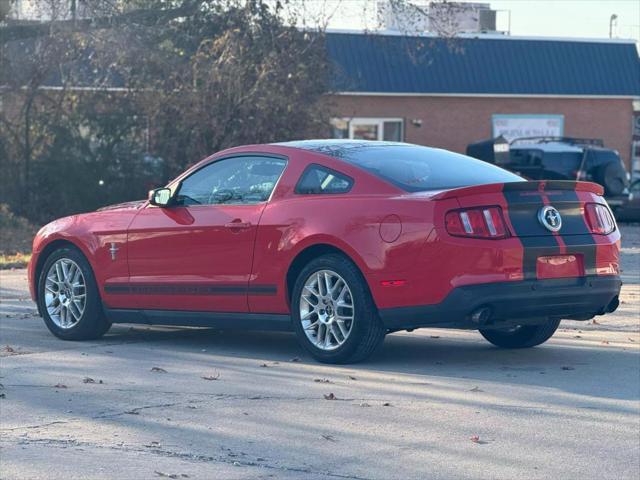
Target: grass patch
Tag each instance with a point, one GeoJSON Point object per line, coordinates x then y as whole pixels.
{"type": "Point", "coordinates": [17, 260]}
{"type": "Point", "coordinates": [16, 236]}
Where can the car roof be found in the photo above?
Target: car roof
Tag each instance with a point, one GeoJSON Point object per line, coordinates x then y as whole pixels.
{"type": "Point", "coordinates": [342, 149]}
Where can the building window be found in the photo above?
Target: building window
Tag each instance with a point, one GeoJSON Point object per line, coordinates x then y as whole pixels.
{"type": "Point", "coordinates": [389, 129]}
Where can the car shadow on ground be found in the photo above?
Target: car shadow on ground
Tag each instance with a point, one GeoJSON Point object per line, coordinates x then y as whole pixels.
{"type": "Point", "coordinates": [563, 364]}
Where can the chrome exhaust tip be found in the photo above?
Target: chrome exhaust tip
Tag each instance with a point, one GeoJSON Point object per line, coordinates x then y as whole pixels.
{"type": "Point", "coordinates": [481, 316]}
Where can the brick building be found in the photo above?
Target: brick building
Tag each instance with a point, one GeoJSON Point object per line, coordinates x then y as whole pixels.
{"type": "Point", "coordinates": [451, 92]}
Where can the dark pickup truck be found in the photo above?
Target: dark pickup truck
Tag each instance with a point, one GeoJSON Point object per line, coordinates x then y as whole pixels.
{"type": "Point", "coordinates": [559, 158]}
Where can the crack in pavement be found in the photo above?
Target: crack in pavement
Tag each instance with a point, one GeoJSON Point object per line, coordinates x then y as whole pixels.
{"type": "Point", "coordinates": [97, 417]}
{"type": "Point", "coordinates": [192, 457]}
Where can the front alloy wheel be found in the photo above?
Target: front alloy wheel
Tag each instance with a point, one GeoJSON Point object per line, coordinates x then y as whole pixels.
{"type": "Point", "coordinates": [68, 297]}
{"type": "Point", "coordinates": [65, 293]}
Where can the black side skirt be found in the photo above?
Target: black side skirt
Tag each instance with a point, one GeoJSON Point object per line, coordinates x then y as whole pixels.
{"type": "Point", "coordinates": [240, 321]}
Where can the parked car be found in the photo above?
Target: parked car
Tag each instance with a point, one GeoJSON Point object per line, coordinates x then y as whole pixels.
{"type": "Point", "coordinates": [562, 158]}
{"type": "Point", "coordinates": [340, 241]}
{"type": "Point", "coordinates": [630, 211]}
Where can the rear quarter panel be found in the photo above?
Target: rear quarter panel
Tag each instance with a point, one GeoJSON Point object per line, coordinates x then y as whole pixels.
{"type": "Point", "coordinates": [351, 224]}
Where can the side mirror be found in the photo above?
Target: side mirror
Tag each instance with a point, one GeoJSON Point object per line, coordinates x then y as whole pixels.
{"type": "Point", "coordinates": [160, 197]}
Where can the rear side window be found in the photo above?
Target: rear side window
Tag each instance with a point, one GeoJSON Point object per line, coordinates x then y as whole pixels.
{"type": "Point", "coordinates": [414, 168]}
{"type": "Point", "coordinates": [318, 179]}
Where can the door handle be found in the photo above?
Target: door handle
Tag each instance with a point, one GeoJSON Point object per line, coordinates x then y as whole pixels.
{"type": "Point", "coordinates": [238, 225]}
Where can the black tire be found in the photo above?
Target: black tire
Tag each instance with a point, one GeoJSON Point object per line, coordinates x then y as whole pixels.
{"type": "Point", "coordinates": [92, 323]}
{"type": "Point", "coordinates": [613, 177]}
{"type": "Point", "coordinates": [524, 336]}
{"type": "Point", "coordinates": [367, 331]}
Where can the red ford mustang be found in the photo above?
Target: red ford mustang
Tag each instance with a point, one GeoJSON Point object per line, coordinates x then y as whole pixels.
{"type": "Point", "coordinates": [341, 241]}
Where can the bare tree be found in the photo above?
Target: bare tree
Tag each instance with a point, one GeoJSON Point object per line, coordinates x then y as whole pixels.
{"type": "Point", "coordinates": [202, 75]}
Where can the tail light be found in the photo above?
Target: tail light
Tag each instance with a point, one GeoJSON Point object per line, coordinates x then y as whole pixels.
{"type": "Point", "coordinates": [599, 218]}
{"type": "Point", "coordinates": [485, 222]}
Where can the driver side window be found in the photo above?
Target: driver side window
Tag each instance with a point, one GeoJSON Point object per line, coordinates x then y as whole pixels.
{"type": "Point", "coordinates": [234, 180]}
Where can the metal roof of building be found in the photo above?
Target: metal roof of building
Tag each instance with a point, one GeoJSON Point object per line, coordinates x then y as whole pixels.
{"type": "Point", "coordinates": [397, 64]}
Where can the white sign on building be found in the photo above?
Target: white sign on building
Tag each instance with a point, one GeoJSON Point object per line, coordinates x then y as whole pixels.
{"type": "Point", "coordinates": [524, 125]}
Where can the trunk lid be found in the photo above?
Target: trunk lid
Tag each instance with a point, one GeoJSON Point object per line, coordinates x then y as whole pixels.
{"type": "Point", "coordinates": [533, 208]}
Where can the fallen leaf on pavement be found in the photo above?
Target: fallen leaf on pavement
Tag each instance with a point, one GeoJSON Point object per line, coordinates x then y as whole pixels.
{"type": "Point", "coordinates": [170, 475]}
{"type": "Point", "coordinates": [330, 396]}
{"type": "Point", "coordinates": [158, 370]}
{"type": "Point", "coordinates": [476, 439]}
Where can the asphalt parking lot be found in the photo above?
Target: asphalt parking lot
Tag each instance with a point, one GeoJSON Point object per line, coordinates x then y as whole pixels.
{"type": "Point", "coordinates": [178, 403]}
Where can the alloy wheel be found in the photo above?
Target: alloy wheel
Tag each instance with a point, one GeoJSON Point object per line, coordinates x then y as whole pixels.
{"type": "Point", "coordinates": [326, 309]}
{"type": "Point", "coordinates": [65, 293]}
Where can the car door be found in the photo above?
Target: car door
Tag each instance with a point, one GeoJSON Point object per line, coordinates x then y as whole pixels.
{"type": "Point", "coordinates": [196, 254]}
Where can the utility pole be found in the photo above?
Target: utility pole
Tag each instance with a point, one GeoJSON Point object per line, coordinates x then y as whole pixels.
{"type": "Point", "coordinates": [612, 20]}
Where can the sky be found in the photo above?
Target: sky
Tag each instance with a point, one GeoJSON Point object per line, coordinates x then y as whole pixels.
{"type": "Point", "coordinates": [547, 18]}
{"type": "Point", "coordinates": [572, 18]}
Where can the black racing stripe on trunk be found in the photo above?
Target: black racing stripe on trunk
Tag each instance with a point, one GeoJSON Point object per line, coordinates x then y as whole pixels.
{"type": "Point", "coordinates": [188, 289]}
{"type": "Point", "coordinates": [535, 247]}
{"type": "Point", "coordinates": [535, 185]}
{"type": "Point", "coordinates": [580, 241]}
{"type": "Point", "coordinates": [535, 240]}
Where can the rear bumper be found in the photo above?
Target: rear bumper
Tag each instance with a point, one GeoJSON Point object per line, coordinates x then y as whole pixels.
{"type": "Point", "coordinates": [511, 303]}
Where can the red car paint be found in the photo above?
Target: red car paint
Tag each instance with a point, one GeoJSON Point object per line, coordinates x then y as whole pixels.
{"type": "Point", "coordinates": [235, 258]}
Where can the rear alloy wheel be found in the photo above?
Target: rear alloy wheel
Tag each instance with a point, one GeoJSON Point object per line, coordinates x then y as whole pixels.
{"type": "Point", "coordinates": [326, 310]}
{"type": "Point", "coordinates": [68, 297]}
{"type": "Point", "coordinates": [334, 316]}
{"type": "Point", "coordinates": [522, 336]}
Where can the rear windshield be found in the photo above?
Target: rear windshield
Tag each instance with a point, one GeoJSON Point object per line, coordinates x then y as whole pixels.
{"type": "Point", "coordinates": [415, 169]}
